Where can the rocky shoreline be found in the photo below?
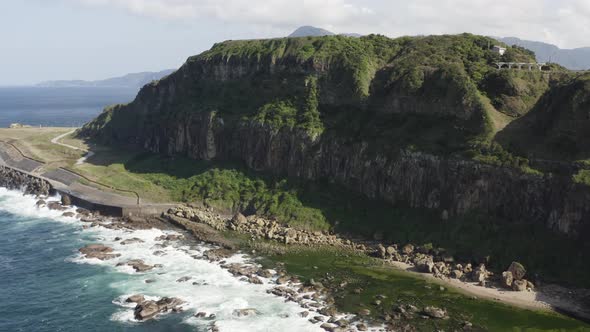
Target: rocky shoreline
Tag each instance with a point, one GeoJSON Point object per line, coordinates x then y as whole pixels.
{"type": "Point", "coordinates": [425, 259]}
{"type": "Point", "coordinates": [315, 297]}
{"type": "Point", "coordinates": [429, 261]}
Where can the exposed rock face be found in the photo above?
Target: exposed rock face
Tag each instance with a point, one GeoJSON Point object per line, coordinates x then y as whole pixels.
{"type": "Point", "coordinates": [16, 180]}
{"type": "Point", "coordinates": [411, 178]}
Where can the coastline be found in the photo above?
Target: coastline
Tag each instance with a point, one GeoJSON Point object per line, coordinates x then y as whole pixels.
{"type": "Point", "coordinates": [525, 300]}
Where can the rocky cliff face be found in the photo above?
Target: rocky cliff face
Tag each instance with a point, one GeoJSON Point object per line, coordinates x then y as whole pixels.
{"type": "Point", "coordinates": [412, 179]}
{"type": "Point", "coordinates": [372, 117]}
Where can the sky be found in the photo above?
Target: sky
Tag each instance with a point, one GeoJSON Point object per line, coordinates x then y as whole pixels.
{"type": "Point", "coordinates": [96, 39]}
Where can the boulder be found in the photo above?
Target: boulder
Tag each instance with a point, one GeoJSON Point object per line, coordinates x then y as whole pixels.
{"type": "Point", "coordinates": [364, 312]}
{"type": "Point", "coordinates": [328, 327]}
{"type": "Point", "coordinates": [98, 251]}
{"type": "Point", "coordinates": [66, 200]}
{"type": "Point", "coordinates": [507, 279]}
{"type": "Point", "coordinates": [201, 314]}
{"type": "Point", "coordinates": [239, 219]}
{"type": "Point", "coordinates": [518, 271]}
{"type": "Point", "coordinates": [381, 251]}
{"type": "Point", "coordinates": [217, 254]}
{"type": "Point", "coordinates": [183, 279]}
{"type": "Point", "coordinates": [361, 327]}
{"type": "Point", "coordinates": [480, 274]}
{"type": "Point", "coordinates": [41, 202]}
{"type": "Point", "coordinates": [425, 265]}
{"type": "Point", "coordinates": [131, 241]}
{"type": "Point", "coordinates": [456, 274]}
{"type": "Point", "coordinates": [434, 312]}
{"type": "Point", "coordinates": [55, 206]}
{"type": "Point", "coordinates": [137, 298]}
{"type": "Point", "coordinates": [146, 310]}
{"type": "Point", "coordinates": [408, 249]}
{"type": "Point", "coordinates": [519, 285]}
{"type": "Point", "coordinates": [68, 214]}
{"type": "Point", "coordinates": [138, 265]}
{"type": "Point", "coordinates": [390, 250]}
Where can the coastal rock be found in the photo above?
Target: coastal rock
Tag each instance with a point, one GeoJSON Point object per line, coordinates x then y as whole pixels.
{"type": "Point", "coordinates": [146, 310]}
{"type": "Point", "coordinates": [98, 251]}
{"type": "Point", "coordinates": [55, 206]}
{"type": "Point", "coordinates": [68, 214]}
{"type": "Point", "coordinates": [131, 241]}
{"type": "Point", "coordinates": [408, 249]}
{"type": "Point", "coordinates": [518, 271]}
{"type": "Point", "coordinates": [425, 264]}
{"type": "Point", "coordinates": [507, 279]}
{"type": "Point", "coordinates": [138, 265]}
{"type": "Point", "coordinates": [217, 254]}
{"type": "Point", "coordinates": [149, 309]}
{"type": "Point", "coordinates": [137, 298]}
{"type": "Point", "coordinates": [519, 285]}
{"type": "Point", "coordinates": [66, 200]}
{"type": "Point", "coordinates": [480, 275]}
{"type": "Point", "coordinates": [456, 274]}
{"type": "Point", "coordinates": [435, 312]}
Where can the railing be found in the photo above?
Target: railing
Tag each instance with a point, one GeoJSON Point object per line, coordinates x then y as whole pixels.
{"type": "Point", "coordinates": [20, 152]}
{"type": "Point", "coordinates": [102, 184]}
{"type": "Point", "coordinates": [75, 173]}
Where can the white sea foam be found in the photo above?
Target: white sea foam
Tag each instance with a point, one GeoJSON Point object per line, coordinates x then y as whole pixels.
{"type": "Point", "coordinates": [215, 290]}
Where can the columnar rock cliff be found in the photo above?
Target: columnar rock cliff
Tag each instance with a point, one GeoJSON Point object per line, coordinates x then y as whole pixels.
{"type": "Point", "coordinates": [406, 120]}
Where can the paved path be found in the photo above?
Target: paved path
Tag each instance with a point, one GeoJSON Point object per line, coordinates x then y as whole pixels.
{"type": "Point", "coordinates": [56, 140]}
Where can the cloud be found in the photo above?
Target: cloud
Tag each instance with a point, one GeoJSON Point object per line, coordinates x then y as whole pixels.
{"type": "Point", "coordinates": [281, 12]}
{"type": "Point", "coordinates": [563, 22]}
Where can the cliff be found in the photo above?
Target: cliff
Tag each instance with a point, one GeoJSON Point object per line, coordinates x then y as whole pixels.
{"type": "Point", "coordinates": [411, 121]}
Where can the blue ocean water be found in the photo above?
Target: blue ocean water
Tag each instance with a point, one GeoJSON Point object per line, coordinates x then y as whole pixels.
{"type": "Point", "coordinates": [57, 107]}
{"type": "Point", "coordinates": [46, 285]}
{"type": "Point", "coordinates": [41, 290]}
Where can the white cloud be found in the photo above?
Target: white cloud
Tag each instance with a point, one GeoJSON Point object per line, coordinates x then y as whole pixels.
{"type": "Point", "coordinates": [319, 12]}
{"type": "Point", "coordinates": [563, 22]}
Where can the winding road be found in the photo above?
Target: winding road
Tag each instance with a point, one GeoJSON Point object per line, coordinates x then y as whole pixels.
{"type": "Point", "coordinates": [56, 140]}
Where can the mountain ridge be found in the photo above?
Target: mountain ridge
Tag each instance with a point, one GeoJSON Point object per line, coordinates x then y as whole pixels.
{"type": "Point", "coordinates": [132, 80]}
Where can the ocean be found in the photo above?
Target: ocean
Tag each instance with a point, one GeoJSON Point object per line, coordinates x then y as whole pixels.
{"type": "Point", "coordinates": [57, 107]}
{"type": "Point", "coordinates": [46, 285]}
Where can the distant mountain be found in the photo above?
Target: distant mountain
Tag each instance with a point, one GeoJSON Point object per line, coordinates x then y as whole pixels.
{"type": "Point", "coordinates": [135, 80]}
{"type": "Point", "coordinates": [574, 59]}
{"type": "Point", "coordinates": [306, 31]}
{"type": "Point", "coordinates": [309, 31]}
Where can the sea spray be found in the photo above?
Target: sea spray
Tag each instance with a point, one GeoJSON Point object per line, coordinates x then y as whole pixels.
{"type": "Point", "coordinates": [209, 287]}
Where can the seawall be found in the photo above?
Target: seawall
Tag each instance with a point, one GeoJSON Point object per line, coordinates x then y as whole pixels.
{"type": "Point", "coordinates": [15, 179]}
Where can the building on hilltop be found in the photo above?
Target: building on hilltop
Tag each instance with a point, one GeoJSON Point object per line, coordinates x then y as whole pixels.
{"type": "Point", "coordinates": [499, 49]}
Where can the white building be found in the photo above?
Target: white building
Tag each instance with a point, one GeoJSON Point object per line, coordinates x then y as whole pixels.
{"type": "Point", "coordinates": [498, 49]}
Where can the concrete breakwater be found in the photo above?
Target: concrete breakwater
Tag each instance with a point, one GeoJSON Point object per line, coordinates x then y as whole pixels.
{"type": "Point", "coordinates": [13, 179]}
